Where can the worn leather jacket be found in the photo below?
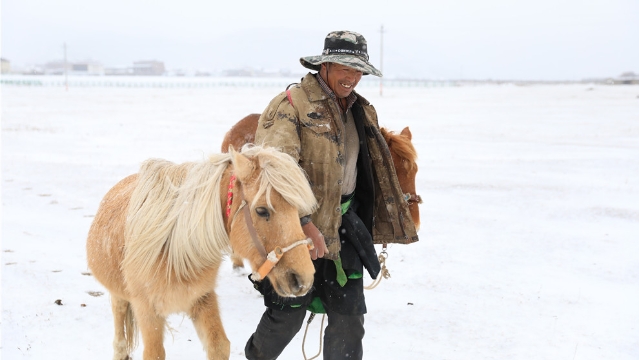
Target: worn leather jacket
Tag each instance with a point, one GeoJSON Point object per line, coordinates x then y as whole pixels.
{"type": "Point", "coordinates": [307, 124]}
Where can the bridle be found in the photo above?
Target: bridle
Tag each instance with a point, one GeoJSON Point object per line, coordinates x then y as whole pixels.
{"type": "Point", "coordinates": [412, 198]}
{"type": "Point", "coordinates": [274, 256]}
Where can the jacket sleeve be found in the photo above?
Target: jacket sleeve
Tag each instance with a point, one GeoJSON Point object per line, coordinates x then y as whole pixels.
{"type": "Point", "coordinates": [279, 127]}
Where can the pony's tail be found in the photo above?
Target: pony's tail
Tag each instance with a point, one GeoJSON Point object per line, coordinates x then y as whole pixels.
{"type": "Point", "coordinates": [130, 330]}
{"type": "Point", "coordinates": [126, 330]}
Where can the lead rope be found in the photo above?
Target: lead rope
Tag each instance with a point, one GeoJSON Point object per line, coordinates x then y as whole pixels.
{"type": "Point", "coordinates": [383, 274]}
{"type": "Point", "coordinates": [310, 318]}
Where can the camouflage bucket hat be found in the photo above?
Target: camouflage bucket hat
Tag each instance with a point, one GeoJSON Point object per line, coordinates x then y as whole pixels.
{"type": "Point", "coordinates": [347, 48]}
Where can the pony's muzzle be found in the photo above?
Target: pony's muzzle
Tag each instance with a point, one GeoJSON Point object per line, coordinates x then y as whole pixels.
{"type": "Point", "coordinates": [297, 285]}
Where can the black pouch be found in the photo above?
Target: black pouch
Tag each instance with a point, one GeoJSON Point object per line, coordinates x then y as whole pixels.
{"type": "Point", "coordinates": [361, 250]}
{"type": "Point", "coordinates": [274, 301]}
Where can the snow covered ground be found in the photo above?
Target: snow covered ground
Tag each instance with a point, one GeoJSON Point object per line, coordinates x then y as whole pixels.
{"type": "Point", "coordinates": [529, 246]}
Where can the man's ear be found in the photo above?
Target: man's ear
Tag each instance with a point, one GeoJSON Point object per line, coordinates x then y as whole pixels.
{"type": "Point", "coordinates": [324, 70]}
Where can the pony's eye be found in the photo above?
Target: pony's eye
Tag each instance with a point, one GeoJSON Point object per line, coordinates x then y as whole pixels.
{"type": "Point", "coordinates": [262, 212]}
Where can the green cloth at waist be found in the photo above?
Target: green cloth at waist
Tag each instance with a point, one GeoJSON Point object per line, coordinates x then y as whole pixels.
{"type": "Point", "coordinates": [347, 204]}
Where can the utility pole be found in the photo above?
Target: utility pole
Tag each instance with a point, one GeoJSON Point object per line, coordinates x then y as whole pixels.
{"type": "Point", "coordinates": [381, 59]}
{"type": "Point", "coordinates": [66, 77]}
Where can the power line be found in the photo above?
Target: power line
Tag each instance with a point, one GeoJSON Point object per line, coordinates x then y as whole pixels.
{"type": "Point", "coordinates": [381, 59]}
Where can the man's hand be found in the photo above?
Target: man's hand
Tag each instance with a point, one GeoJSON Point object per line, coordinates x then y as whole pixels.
{"type": "Point", "coordinates": [314, 234]}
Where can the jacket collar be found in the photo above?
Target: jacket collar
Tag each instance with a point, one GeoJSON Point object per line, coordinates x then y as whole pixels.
{"type": "Point", "coordinates": [312, 88]}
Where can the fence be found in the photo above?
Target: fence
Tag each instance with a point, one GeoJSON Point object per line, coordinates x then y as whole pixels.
{"type": "Point", "coordinates": [192, 82]}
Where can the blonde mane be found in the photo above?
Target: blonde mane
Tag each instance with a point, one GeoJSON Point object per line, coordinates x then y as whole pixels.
{"type": "Point", "coordinates": [175, 217]}
{"type": "Point", "coordinates": [281, 173]}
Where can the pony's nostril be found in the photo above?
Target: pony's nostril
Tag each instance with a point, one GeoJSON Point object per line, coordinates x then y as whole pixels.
{"type": "Point", "coordinates": [296, 282]}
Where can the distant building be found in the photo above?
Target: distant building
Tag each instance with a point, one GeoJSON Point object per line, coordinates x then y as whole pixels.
{"type": "Point", "coordinates": [627, 78]}
{"type": "Point", "coordinates": [57, 67]}
{"type": "Point", "coordinates": [6, 66]}
{"type": "Point", "coordinates": [148, 68]}
{"type": "Point", "coordinates": [86, 68]}
{"type": "Point", "coordinates": [121, 71]}
{"type": "Point", "coordinates": [243, 72]}
{"type": "Point", "coordinates": [250, 72]}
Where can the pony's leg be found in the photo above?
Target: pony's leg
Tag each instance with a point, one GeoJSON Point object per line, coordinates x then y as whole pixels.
{"type": "Point", "coordinates": [151, 326]}
{"type": "Point", "coordinates": [237, 260]}
{"type": "Point", "coordinates": [206, 318]}
{"type": "Point", "coordinates": [124, 340]}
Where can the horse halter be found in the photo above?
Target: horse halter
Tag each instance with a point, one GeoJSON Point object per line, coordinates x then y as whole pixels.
{"type": "Point", "coordinates": [273, 257]}
{"type": "Point", "coordinates": [412, 198]}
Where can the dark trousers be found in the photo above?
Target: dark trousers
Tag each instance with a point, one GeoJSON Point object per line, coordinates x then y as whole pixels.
{"type": "Point", "coordinates": [342, 337]}
{"type": "Point", "coordinates": [344, 305]}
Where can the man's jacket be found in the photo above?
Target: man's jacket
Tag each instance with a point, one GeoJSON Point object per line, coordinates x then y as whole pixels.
{"type": "Point", "coordinates": [309, 127]}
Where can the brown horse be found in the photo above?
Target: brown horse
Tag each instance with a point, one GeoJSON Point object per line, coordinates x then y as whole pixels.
{"type": "Point", "coordinates": [160, 235]}
{"type": "Point", "coordinates": [400, 145]}
{"type": "Point", "coordinates": [404, 160]}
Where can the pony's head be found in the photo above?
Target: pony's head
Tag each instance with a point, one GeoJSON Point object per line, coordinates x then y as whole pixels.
{"type": "Point", "coordinates": [405, 159]}
{"type": "Point", "coordinates": [277, 194]}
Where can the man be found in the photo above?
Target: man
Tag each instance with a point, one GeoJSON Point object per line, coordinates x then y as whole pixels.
{"type": "Point", "coordinates": [334, 134]}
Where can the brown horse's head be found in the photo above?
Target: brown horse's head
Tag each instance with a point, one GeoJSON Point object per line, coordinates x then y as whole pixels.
{"type": "Point", "coordinates": [276, 193]}
{"type": "Point", "coordinates": [405, 160]}
{"type": "Point", "coordinates": [243, 132]}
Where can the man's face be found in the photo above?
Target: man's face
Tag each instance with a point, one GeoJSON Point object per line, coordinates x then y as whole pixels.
{"type": "Point", "coordinates": [341, 79]}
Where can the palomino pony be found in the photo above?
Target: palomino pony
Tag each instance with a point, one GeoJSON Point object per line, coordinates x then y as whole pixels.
{"type": "Point", "coordinates": [400, 145]}
{"type": "Point", "coordinates": [160, 235]}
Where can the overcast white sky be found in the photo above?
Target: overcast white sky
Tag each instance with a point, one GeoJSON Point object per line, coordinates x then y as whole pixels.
{"type": "Point", "coordinates": [498, 39]}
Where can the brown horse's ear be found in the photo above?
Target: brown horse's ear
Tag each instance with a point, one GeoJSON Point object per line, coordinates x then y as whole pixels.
{"type": "Point", "coordinates": [406, 132]}
{"type": "Point", "coordinates": [244, 166]}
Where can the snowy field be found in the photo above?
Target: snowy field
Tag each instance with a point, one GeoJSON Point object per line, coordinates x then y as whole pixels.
{"type": "Point", "coordinates": [529, 245]}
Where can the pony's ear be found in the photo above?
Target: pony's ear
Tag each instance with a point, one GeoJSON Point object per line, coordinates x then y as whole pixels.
{"type": "Point", "coordinates": [244, 166]}
{"type": "Point", "coordinates": [406, 132]}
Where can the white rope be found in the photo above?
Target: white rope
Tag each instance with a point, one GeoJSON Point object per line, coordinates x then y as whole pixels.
{"type": "Point", "coordinates": [273, 258]}
{"type": "Point", "coordinates": [306, 241]}
{"type": "Point", "coordinates": [310, 318]}
{"type": "Point", "coordinates": [384, 273]}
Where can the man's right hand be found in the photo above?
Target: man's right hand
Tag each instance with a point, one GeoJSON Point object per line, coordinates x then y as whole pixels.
{"type": "Point", "coordinates": [320, 249]}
